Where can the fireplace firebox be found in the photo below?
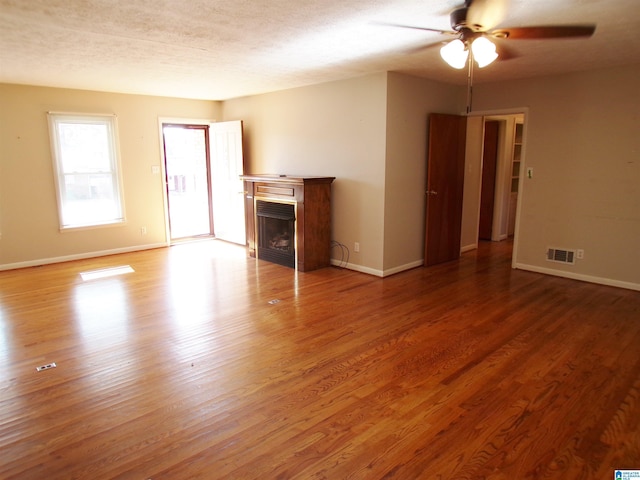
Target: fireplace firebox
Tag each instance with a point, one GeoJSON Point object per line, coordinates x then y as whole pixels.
{"type": "Point", "coordinates": [276, 232]}
{"type": "Point", "coordinates": [288, 219]}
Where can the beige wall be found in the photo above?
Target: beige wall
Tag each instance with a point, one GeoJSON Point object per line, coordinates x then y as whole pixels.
{"type": "Point", "coordinates": [583, 142]}
{"type": "Point", "coordinates": [410, 100]}
{"type": "Point", "coordinates": [28, 215]}
{"type": "Point", "coordinates": [472, 184]}
{"type": "Point", "coordinates": [335, 129]}
{"type": "Point", "coordinates": [370, 133]}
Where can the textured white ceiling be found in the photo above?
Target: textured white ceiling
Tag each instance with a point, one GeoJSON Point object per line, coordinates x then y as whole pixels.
{"type": "Point", "coordinates": [220, 49]}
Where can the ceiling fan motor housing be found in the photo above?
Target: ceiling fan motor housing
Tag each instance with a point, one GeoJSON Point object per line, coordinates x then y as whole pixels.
{"type": "Point", "coordinates": [458, 20]}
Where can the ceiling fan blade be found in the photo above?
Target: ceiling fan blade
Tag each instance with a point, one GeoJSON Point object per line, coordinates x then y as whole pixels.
{"type": "Point", "coordinates": [422, 48]}
{"type": "Point", "coordinates": [486, 14]}
{"type": "Point", "coordinates": [541, 32]}
{"type": "Point", "coordinates": [426, 29]}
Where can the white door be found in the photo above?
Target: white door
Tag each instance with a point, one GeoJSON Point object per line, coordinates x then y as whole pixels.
{"type": "Point", "coordinates": [227, 189]}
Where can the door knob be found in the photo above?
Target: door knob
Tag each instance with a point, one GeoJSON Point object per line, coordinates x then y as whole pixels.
{"type": "Point", "coordinates": [431, 192]}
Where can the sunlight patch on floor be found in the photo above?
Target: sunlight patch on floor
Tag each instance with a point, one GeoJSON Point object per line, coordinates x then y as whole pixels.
{"type": "Point", "coordinates": [106, 272]}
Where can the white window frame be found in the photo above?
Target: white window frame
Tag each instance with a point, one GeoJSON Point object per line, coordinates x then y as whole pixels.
{"type": "Point", "coordinates": [56, 119]}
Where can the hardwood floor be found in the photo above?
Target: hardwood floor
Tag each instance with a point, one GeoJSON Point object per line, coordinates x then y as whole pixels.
{"type": "Point", "coordinates": [205, 364]}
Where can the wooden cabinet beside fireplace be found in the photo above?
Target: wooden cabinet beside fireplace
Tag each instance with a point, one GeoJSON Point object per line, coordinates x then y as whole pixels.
{"type": "Point", "coordinates": [311, 197]}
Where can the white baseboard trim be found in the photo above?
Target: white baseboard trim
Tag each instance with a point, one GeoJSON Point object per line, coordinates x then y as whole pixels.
{"type": "Point", "coordinates": [79, 256]}
{"type": "Point", "coordinates": [468, 248]}
{"type": "Point", "coordinates": [377, 273]}
{"type": "Point", "coordinates": [578, 276]}
{"type": "Point", "coordinates": [402, 268]}
{"type": "Point", "coordinates": [356, 268]}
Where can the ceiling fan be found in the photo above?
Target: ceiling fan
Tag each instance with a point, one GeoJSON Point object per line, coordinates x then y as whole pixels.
{"type": "Point", "coordinates": [473, 27]}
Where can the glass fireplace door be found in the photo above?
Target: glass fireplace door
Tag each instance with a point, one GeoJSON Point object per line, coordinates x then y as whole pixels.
{"type": "Point", "coordinates": [276, 232]}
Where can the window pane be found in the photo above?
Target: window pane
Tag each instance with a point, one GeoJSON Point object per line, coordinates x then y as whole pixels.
{"type": "Point", "coordinates": [89, 199]}
{"type": "Point", "coordinates": [89, 187]}
{"type": "Point", "coordinates": [84, 147]}
{"type": "Point", "coordinates": [86, 167]}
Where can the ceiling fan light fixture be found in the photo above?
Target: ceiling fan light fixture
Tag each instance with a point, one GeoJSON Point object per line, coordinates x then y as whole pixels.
{"type": "Point", "coordinates": [484, 51]}
{"type": "Point", "coordinates": [455, 54]}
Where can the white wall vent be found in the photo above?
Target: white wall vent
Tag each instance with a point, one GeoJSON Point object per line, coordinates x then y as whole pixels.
{"type": "Point", "coordinates": [561, 255]}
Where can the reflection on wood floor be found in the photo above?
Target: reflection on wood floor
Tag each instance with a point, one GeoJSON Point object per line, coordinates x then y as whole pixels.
{"type": "Point", "coordinates": [203, 363]}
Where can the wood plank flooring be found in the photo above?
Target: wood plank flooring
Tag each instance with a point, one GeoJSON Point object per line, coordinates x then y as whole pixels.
{"type": "Point", "coordinates": [205, 364]}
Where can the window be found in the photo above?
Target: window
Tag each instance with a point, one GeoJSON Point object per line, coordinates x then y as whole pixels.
{"type": "Point", "coordinates": [85, 156]}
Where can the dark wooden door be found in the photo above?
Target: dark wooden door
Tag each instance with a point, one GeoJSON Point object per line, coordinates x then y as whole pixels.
{"type": "Point", "coordinates": [445, 182]}
{"type": "Point", "coordinates": [489, 162]}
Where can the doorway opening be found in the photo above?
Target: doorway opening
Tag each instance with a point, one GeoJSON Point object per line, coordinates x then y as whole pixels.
{"type": "Point", "coordinates": [501, 170]}
{"type": "Point", "coordinates": [454, 182]}
{"type": "Point", "coordinates": [204, 193]}
{"type": "Point", "coordinates": [187, 174]}
{"type": "Point", "coordinates": [494, 166]}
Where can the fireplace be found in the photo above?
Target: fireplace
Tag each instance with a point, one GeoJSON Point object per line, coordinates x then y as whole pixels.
{"type": "Point", "coordinates": [288, 219]}
{"type": "Point", "coordinates": [276, 226]}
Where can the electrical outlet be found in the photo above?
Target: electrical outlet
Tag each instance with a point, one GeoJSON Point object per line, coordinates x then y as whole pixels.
{"type": "Point", "coordinates": [143, 230]}
{"type": "Point", "coordinates": [529, 172]}
{"type": "Point", "coordinates": [356, 247]}
{"type": "Point", "coordinates": [580, 254]}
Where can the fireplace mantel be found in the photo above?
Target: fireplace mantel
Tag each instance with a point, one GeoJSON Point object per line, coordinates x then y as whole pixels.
{"type": "Point", "coordinates": [311, 197]}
